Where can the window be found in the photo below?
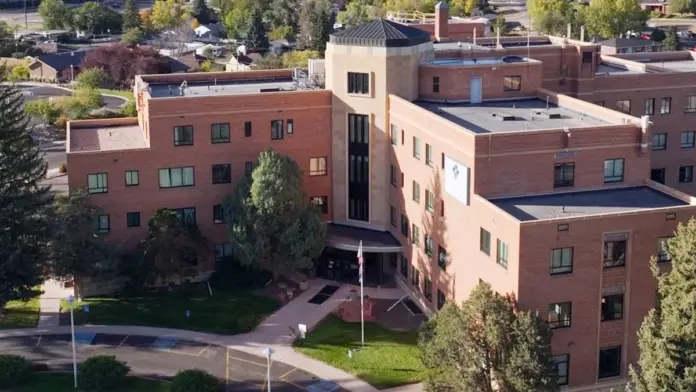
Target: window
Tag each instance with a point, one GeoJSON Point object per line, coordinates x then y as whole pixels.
{"type": "Point", "coordinates": [687, 139]}
{"type": "Point", "coordinates": [485, 241]}
{"type": "Point", "coordinates": [222, 173]}
{"type": "Point", "coordinates": [218, 214]}
{"type": "Point", "coordinates": [559, 315]}
{"type": "Point", "coordinates": [690, 104]}
{"type": "Point", "coordinates": [183, 136]}
{"type": "Point", "coordinates": [563, 175]}
{"type": "Point", "coordinates": [416, 192]}
{"type": "Point", "coordinates": [663, 250]}
{"type": "Point", "coordinates": [132, 219]}
{"type": "Point", "coordinates": [440, 299]}
{"type": "Point", "coordinates": [658, 175]}
{"type": "Point", "coordinates": [132, 178]}
{"type": "Point", "coordinates": [415, 277]}
{"type": "Point", "coordinates": [220, 133]}
{"type": "Point", "coordinates": [624, 106]}
{"type": "Point", "coordinates": [248, 168]}
{"type": "Point", "coordinates": [176, 177]}
{"type": "Point", "coordinates": [97, 183]}
{"type": "Point", "coordinates": [290, 124]}
{"type": "Point", "coordinates": [613, 170]}
{"type": "Point", "coordinates": [322, 202]}
{"type": "Point", "coordinates": [276, 129]}
{"type": "Point", "coordinates": [442, 257]}
{"type": "Point", "coordinates": [561, 365]}
{"type": "Point", "coordinates": [436, 84]}
{"type": "Point", "coordinates": [614, 253]}
{"type": "Point", "coordinates": [502, 256]}
{"type": "Point", "coordinates": [659, 141]}
{"type": "Point", "coordinates": [415, 235]}
{"type": "Point", "coordinates": [429, 246]}
{"type": "Point", "coordinates": [610, 362]}
{"type": "Point", "coordinates": [416, 148]}
{"type": "Point", "coordinates": [428, 155]}
{"type": "Point", "coordinates": [404, 225]}
{"type": "Point", "coordinates": [392, 215]}
{"type": "Point", "coordinates": [666, 106]}
{"type": "Point", "coordinates": [317, 166]}
{"type": "Point", "coordinates": [612, 307]}
{"type": "Point", "coordinates": [649, 106]}
{"type": "Point", "coordinates": [429, 201]}
{"type": "Point", "coordinates": [428, 289]}
{"type": "Point", "coordinates": [404, 266]}
{"type": "Point", "coordinates": [187, 216]}
{"type": "Point", "coordinates": [358, 167]}
{"type": "Point", "coordinates": [102, 224]}
{"type": "Point", "coordinates": [393, 135]}
{"type": "Point", "coordinates": [247, 128]}
{"type": "Point", "coordinates": [561, 261]}
{"type": "Point", "coordinates": [394, 176]}
{"type": "Point", "coordinates": [358, 83]}
{"type": "Point", "coordinates": [686, 173]}
{"type": "Point", "coordinates": [512, 83]}
{"type": "Point", "coordinates": [222, 251]}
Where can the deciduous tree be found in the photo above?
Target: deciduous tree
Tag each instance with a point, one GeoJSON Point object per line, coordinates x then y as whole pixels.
{"type": "Point", "coordinates": [167, 14]}
{"type": "Point", "coordinates": [24, 202]}
{"type": "Point", "coordinates": [93, 78]}
{"type": "Point", "coordinates": [550, 16]}
{"type": "Point", "coordinates": [55, 14]}
{"type": "Point", "coordinates": [272, 224]}
{"type": "Point", "coordinates": [485, 345]}
{"type": "Point", "coordinates": [284, 13]}
{"type": "Point", "coordinates": [94, 18]}
{"type": "Point", "coordinates": [614, 18]}
{"type": "Point", "coordinates": [316, 24]}
{"type": "Point", "coordinates": [358, 12]}
{"type": "Point", "coordinates": [667, 337]}
{"type": "Point", "coordinates": [671, 41]}
{"type": "Point", "coordinates": [256, 33]}
{"type": "Point", "coordinates": [131, 15]}
{"type": "Point", "coordinates": [235, 18]}
{"type": "Point", "coordinates": [131, 36]}
{"type": "Point", "coordinates": [122, 63]}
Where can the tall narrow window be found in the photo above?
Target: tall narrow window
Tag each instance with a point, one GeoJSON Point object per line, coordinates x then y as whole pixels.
{"type": "Point", "coordinates": [485, 241]}
{"type": "Point", "coordinates": [358, 167]}
{"type": "Point", "coordinates": [428, 155]}
{"type": "Point", "coordinates": [663, 250]}
{"type": "Point", "coordinates": [686, 174]}
{"type": "Point", "coordinates": [666, 106]}
{"type": "Point", "coordinates": [416, 148]}
{"type": "Point", "coordinates": [649, 106]}
{"type": "Point", "coordinates": [429, 201]}
{"type": "Point", "coordinates": [436, 84]}
{"type": "Point", "coordinates": [690, 104]}
{"type": "Point", "coordinates": [562, 365]}
{"type": "Point", "coordinates": [442, 257]}
{"type": "Point", "coordinates": [276, 129]}
{"type": "Point", "coordinates": [290, 126]}
{"type": "Point", "coordinates": [610, 362]}
{"type": "Point", "coordinates": [416, 192]}
{"type": "Point", "coordinates": [248, 168]}
{"type": "Point", "coordinates": [247, 129]}
{"type": "Point", "coordinates": [132, 178]}
{"type": "Point", "coordinates": [394, 134]}
{"type": "Point", "coordinates": [614, 253]}
{"type": "Point", "coordinates": [612, 307]}
{"type": "Point", "coordinates": [218, 214]}
{"type": "Point", "coordinates": [358, 83]}
{"type": "Point", "coordinates": [502, 256]}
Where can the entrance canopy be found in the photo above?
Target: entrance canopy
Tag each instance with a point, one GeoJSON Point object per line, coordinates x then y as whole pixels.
{"type": "Point", "coordinates": [348, 238]}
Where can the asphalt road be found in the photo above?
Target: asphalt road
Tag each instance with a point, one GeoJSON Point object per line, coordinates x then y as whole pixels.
{"type": "Point", "coordinates": [163, 357]}
{"type": "Point", "coordinates": [34, 93]}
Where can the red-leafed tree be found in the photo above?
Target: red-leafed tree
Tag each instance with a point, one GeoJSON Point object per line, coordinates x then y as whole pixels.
{"type": "Point", "coordinates": [121, 63]}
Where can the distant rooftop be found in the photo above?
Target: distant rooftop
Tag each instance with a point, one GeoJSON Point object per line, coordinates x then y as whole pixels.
{"type": "Point", "coordinates": [488, 43]}
{"type": "Point", "coordinates": [568, 205]}
{"type": "Point", "coordinates": [381, 33]}
{"type": "Point", "coordinates": [106, 138]}
{"type": "Point", "coordinates": [617, 69]}
{"type": "Point", "coordinates": [628, 43]}
{"type": "Point", "coordinates": [215, 88]}
{"type": "Point", "coordinates": [479, 61]}
{"type": "Point", "coordinates": [676, 66]}
{"type": "Point", "coordinates": [511, 116]}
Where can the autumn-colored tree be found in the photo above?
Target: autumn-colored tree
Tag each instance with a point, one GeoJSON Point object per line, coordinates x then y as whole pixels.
{"type": "Point", "coordinates": [122, 63]}
{"type": "Point", "coordinates": [168, 14]}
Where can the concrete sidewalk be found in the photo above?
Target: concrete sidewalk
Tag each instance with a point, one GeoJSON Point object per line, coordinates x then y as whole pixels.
{"type": "Point", "coordinates": [49, 303]}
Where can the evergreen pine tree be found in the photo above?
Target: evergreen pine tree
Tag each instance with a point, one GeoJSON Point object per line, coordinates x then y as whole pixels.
{"type": "Point", "coordinates": [131, 15]}
{"type": "Point", "coordinates": [667, 338]}
{"type": "Point", "coordinates": [316, 24]}
{"type": "Point", "coordinates": [24, 202]}
{"type": "Point", "coordinates": [201, 11]}
{"type": "Point", "coordinates": [256, 34]}
{"type": "Point", "coordinates": [671, 41]}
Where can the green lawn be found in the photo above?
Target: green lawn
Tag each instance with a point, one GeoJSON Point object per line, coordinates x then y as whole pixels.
{"type": "Point", "coordinates": [59, 382]}
{"type": "Point", "coordinates": [389, 358]}
{"type": "Point", "coordinates": [20, 314]}
{"type": "Point", "coordinates": [121, 93]}
{"type": "Point", "coordinates": [223, 313]}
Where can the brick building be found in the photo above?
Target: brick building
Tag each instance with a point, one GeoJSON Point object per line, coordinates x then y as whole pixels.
{"type": "Point", "coordinates": [453, 163]}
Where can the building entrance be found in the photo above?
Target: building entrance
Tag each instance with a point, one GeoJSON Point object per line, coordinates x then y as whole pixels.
{"type": "Point", "coordinates": [342, 266]}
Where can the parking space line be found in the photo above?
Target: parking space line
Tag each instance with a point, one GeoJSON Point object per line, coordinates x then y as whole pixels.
{"type": "Point", "coordinates": [164, 343]}
{"type": "Point", "coordinates": [287, 373]}
{"type": "Point", "coordinates": [295, 385]}
{"type": "Point", "coordinates": [227, 369]}
{"type": "Point", "coordinates": [263, 387]}
{"type": "Point", "coordinates": [203, 350]}
{"type": "Point", "coordinates": [123, 341]}
{"type": "Point", "coordinates": [247, 361]}
{"type": "Point", "coordinates": [38, 341]}
{"type": "Point", "coordinates": [181, 353]}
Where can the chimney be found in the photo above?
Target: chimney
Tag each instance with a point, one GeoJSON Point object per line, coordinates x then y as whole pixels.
{"type": "Point", "coordinates": [582, 33]}
{"type": "Point", "coordinates": [441, 22]}
{"type": "Point", "coordinates": [497, 38]}
{"type": "Point", "coordinates": [474, 35]}
{"type": "Point", "coordinates": [570, 29]}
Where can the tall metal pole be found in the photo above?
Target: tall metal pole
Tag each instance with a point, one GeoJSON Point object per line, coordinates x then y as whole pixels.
{"type": "Point", "coordinates": [268, 352]}
{"type": "Point", "coordinates": [72, 331]}
{"type": "Point", "coordinates": [362, 297]}
{"type": "Point", "coordinates": [26, 23]}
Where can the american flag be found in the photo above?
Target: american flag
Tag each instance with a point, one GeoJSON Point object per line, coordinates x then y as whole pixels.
{"type": "Point", "coordinates": [360, 261]}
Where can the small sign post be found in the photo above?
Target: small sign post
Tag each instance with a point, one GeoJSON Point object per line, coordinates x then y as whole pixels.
{"type": "Point", "coordinates": [303, 330]}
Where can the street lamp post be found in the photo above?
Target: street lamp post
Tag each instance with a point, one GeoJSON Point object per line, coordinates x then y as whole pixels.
{"type": "Point", "coordinates": [71, 299]}
{"type": "Point", "coordinates": [267, 352]}
{"type": "Point", "coordinates": [72, 74]}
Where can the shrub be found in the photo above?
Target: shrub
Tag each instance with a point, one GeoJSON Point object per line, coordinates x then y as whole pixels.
{"type": "Point", "coordinates": [14, 370]}
{"type": "Point", "coordinates": [129, 110]}
{"type": "Point", "coordinates": [91, 78]}
{"type": "Point", "coordinates": [63, 168]}
{"type": "Point", "coordinates": [102, 372]}
{"type": "Point", "coordinates": [194, 380]}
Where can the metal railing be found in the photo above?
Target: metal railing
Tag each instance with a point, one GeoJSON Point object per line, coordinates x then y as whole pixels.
{"type": "Point", "coordinates": [411, 17]}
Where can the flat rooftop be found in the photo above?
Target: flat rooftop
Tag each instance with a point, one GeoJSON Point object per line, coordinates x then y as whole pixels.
{"type": "Point", "coordinates": [676, 66]}
{"type": "Point", "coordinates": [106, 138]}
{"type": "Point", "coordinates": [511, 116]}
{"type": "Point", "coordinates": [569, 205]}
{"type": "Point", "coordinates": [214, 88]}
{"type": "Point", "coordinates": [615, 69]}
{"type": "Point", "coordinates": [486, 43]}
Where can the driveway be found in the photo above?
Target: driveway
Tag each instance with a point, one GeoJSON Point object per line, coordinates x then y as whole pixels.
{"type": "Point", "coordinates": [163, 357]}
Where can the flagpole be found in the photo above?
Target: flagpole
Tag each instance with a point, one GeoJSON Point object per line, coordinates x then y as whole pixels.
{"type": "Point", "coordinates": [362, 312]}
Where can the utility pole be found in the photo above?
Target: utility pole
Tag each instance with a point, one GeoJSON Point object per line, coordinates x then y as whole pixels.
{"type": "Point", "coordinates": [26, 22]}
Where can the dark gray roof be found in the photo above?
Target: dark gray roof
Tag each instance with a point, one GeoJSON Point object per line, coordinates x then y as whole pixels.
{"type": "Point", "coordinates": [574, 204]}
{"type": "Point", "coordinates": [628, 42]}
{"type": "Point", "coordinates": [349, 237]}
{"type": "Point", "coordinates": [381, 33]}
{"type": "Point", "coordinates": [61, 61]}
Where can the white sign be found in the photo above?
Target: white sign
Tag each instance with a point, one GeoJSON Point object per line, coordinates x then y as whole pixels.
{"type": "Point", "coordinates": [457, 180]}
{"type": "Point", "coordinates": [303, 330]}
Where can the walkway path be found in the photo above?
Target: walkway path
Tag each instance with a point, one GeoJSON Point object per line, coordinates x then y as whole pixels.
{"type": "Point", "coordinates": [49, 303]}
{"type": "Point", "coordinates": [274, 332]}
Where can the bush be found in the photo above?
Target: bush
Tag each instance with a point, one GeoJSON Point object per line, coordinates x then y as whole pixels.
{"type": "Point", "coordinates": [102, 372]}
{"type": "Point", "coordinates": [92, 78]}
{"type": "Point", "coordinates": [129, 110]}
{"type": "Point", "coordinates": [14, 370]}
{"type": "Point", "coordinates": [194, 381]}
{"type": "Point", "coordinates": [63, 168]}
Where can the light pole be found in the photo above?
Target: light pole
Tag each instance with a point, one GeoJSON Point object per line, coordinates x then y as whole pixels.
{"type": "Point", "coordinates": [267, 352]}
{"type": "Point", "coordinates": [72, 332]}
{"type": "Point", "coordinates": [72, 74]}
